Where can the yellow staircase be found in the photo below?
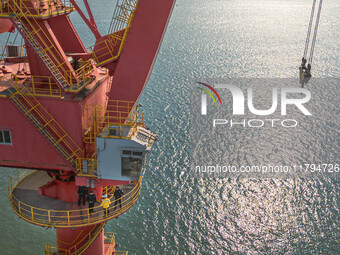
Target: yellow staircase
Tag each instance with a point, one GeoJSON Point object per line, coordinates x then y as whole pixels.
{"type": "Point", "coordinates": [34, 111]}
{"type": "Point", "coordinates": [118, 30]}
{"type": "Point", "coordinates": [81, 246]}
{"type": "Point", "coordinates": [122, 15]}
{"type": "Point", "coordinates": [41, 43]}
{"type": "Point", "coordinates": [56, 71]}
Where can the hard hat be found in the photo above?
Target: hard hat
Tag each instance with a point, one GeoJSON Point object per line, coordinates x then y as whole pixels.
{"type": "Point", "coordinates": [104, 196]}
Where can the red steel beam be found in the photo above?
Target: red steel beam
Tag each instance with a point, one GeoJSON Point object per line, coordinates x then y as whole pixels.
{"type": "Point", "coordinates": [91, 26]}
{"type": "Point", "coordinates": [90, 13]}
{"type": "Point", "coordinates": [140, 50]}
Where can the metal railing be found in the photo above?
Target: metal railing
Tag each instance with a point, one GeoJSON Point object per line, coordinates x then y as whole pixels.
{"type": "Point", "coordinates": [43, 86]}
{"type": "Point", "coordinates": [48, 52]}
{"type": "Point", "coordinates": [121, 15]}
{"type": "Point", "coordinates": [119, 28]}
{"type": "Point", "coordinates": [82, 76]}
{"type": "Point", "coordinates": [79, 247]}
{"type": "Point", "coordinates": [46, 124]}
{"type": "Point", "coordinates": [3, 51]}
{"type": "Point", "coordinates": [70, 218]}
{"type": "Point", "coordinates": [123, 114]}
{"type": "Point", "coordinates": [109, 238]}
{"type": "Point", "coordinates": [43, 45]}
{"type": "Point", "coordinates": [121, 120]}
{"type": "Point", "coordinates": [71, 80]}
{"type": "Point", "coordinates": [37, 8]}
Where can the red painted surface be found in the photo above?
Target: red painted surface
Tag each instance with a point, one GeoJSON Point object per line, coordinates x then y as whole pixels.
{"type": "Point", "coordinates": [97, 247]}
{"type": "Point", "coordinates": [68, 113]}
{"type": "Point", "coordinates": [104, 45]}
{"type": "Point", "coordinates": [109, 249]}
{"type": "Point", "coordinates": [66, 34]}
{"type": "Point", "coordinates": [88, 8]}
{"type": "Point", "coordinates": [6, 26]}
{"type": "Point", "coordinates": [27, 6]}
{"type": "Point", "coordinates": [140, 50]}
{"type": "Point", "coordinates": [49, 190]}
{"type": "Point", "coordinates": [29, 149]}
{"type": "Point", "coordinates": [68, 238]}
{"type": "Point", "coordinates": [97, 97]}
{"type": "Point", "coordinates": [92, 26]}
{"type": "Point", "coordinates": [82, 181]}
{"type": "Point", "coordinates": [37, 67]}
{"type": "Point", "coordinates": [16, 59]}
{"type": "Point", "coordinates": [46, 39]}
{"type": "Point", "coordinates": [65, 191]}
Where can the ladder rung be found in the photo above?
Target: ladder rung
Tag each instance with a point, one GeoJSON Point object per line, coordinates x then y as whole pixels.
{"type": "Point", "coordinates": [47, 123]}
{"type": "Point", "coordinates": [60, 140]}
{"type": "Point", "coordinates": [32, 108]}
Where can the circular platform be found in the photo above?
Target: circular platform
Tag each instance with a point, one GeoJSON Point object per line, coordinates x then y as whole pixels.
{"type": "Point", "coordinates": [29, 205]}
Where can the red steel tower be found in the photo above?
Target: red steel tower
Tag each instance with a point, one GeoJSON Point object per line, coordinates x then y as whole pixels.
{"type": "Point", "coordinates": [70, 113]}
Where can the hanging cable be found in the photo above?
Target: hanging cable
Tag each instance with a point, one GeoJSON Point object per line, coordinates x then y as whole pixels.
{"type": "Point", "coordinates": [15, 38]}
{"type": "Point", "coordinates": [315, 34]}
{"type": "Point", "coordinates": [4, 48]}
{"type": "Point", "coordinates": [305, 71]}
{"type": "Point", "coordinates": [309, 29]}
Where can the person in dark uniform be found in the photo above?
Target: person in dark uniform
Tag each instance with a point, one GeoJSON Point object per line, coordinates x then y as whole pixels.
{"type": "Point", "coordinates": [82, 192]}
{"type": "Point", "coordinates": [303, 63]}
{"type": "Point", "coordinates": [118, 197]}
{"type": "Point", "coordinates": [92, 199]}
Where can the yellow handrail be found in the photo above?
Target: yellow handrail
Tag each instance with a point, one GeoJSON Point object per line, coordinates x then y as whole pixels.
{"type": "Point", "coordinates": [123, 16]}
{"type": "Point", "coordinates": [37, 29]}
{"type": "Point", "coordinates": [69, 218]}
{"type": "Point", "coordinates": [123, 114]}
{"type": "Point", "coordinates": [121, 120]}
{"type": "Point", "coordinates": [75, 250]}
{"type": "Point", "coordinates": [82, 76]}
{"type": "Point", "coordinates": [72, 151]}
{"type": "Point", "coordinates": [39, 86]}
{"type": "Point", "coordinates": [76, 79]}
{"type": "Point", "coordinates": [39, 11]}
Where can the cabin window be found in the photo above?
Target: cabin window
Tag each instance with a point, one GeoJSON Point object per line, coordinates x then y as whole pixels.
{"type": "Point", "coordinates": [113, 132]}
{"type": "Point", "coordinates": [131, 166]}
{"type": "Point", "coordinates": [12, 51]}
{"type": "Point", "coordinates": [125, 152]}
{"type": "Point", "coordinates": [132, 162]}
{"type": "Point", "coordinates": [5, 137]}
{"type": "Point", "coordinates": [138, 153]}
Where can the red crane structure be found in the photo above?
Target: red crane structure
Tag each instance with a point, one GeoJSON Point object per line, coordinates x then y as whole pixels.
{"type": "Point", "coordinates": [70, 113]}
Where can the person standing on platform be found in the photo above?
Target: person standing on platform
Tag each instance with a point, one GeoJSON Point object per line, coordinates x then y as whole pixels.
{"type": "Point", "coordinates": [82, 192]}
{"type": "Point", "coordinates": [92, 199]}
{"type": "Point", "coordinates": [118, 196]}
{"type": "Point", "coordinates": [106, 205]}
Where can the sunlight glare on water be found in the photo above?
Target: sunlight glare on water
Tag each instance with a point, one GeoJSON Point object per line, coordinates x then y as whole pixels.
{"type": "Point", "coordinates": [180, 215]}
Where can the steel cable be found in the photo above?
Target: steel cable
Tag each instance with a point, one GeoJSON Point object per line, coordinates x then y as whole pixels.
{"type": "Point", "coordinates": [309, 29]}
{"type": "Point", "coordinates": [315, 33]}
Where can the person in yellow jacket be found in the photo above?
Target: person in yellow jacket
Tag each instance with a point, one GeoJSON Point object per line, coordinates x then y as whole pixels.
{"type": "Point", "coordinates": [106, 205]}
